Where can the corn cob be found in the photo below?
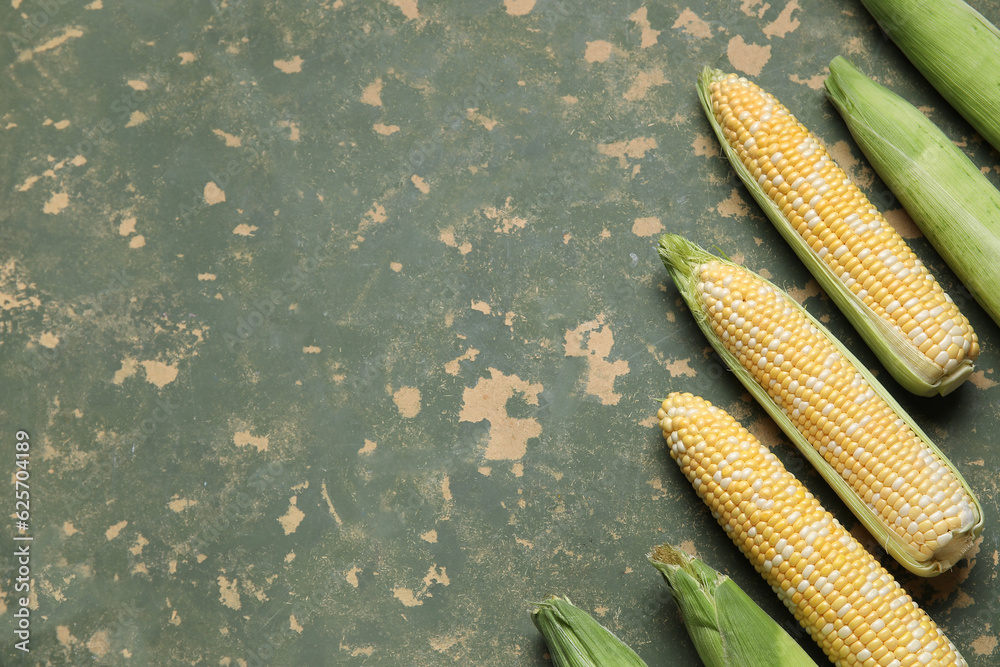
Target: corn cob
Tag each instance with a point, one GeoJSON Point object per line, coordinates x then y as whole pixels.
{"type": "Point", "coordinates": [894, 479]}
{"type": "Point", "coordinates": [955, 206]}
{"type": "Point", "coordinates": [725, 624]}
{"type": "Point", "coordinates": [955, 48]}
{"type": "Point", "coordinates": [575, 639]}
{"type": "Point", "coordinates": [850, 605]}
{"type": "Point", "coordinates": [874, 277]}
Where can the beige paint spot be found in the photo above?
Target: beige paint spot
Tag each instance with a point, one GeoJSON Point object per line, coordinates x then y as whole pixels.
{"type": "Point", "coordinates": [65, 637]}
{"type": "Point", "coordinates": [127, 226]}
{"type": "Point", "coordinates": [446, 489]}
{"type": "Point", "coordinates": [99, 643]}
{"type": "Point", "coordinates": [385, 130]}
{"type": "Point", "coordinates": [140, 543]}
{"type": "Point", "coordinates": [903, 223]}
{"type": "Point", "coordinates": [231, 139]}
{"type": "Point", "coordinates": [843, 156]}
{"type": "Point", "coordinates": [291, 519]}
{"type": "Point", "coordinates": [598, 51]}
{"type": "Point", "coordinates": [178, 505]}
{"type": "Point", "coordinates": [705, 146]}
{"type": "Point", "coordinates": [137, 84]}
{"type": "Point", "coordinates": [485, 121]}
{"type": "Point", "coordinates": [649, 36]}
{"type": "Point", "coordinates": [137, 118]}
{"type": "Point", "coordinates": [128, 369]}
{"type": "Point", "coordinates": [593, 341]}
{"type": "Point", "coordinates": [487, 400]}
{"type": "Point", "coordinates": [311, 349]}
{"type": "Point", "coordinates": [508, 222]}
{"type": "Point", "coordinates": [137, 241]}
{"type": "Point", "coordinates": [681, 368]}
{"type": "Point", "coordinates": [407, 400]}
{"type": "Point", "coordinates": [294, 625]}
{"type": "Point", "coordinates": [754, 7]}
{"type": "Point", "coordinates": [352, 576]}
{"type": "Point", "coordinates": [292, 127]}
{"type": "Point", "coordinates": [420, 184]}
{"type": "Point", "coordinates": [292, 66]}
{"type": "Point", "coordinates": [369, 447]}
{"type": "Point", "coordinates": [454, 366]}
{"type": "Point", "coordinates": [243, 438]}
{"type": "Point", "coordinates": [693, 25]}
{"type": "Point", "coordinates": [229, 594]}
{"type": "Point", "coordinates": [175, 618]}
{"type": "Point", "coordinates": [633, 148]}
{"type": "Point", "coordinates": [518, 7]}
{"type": "Point", "coordinates": [372, 94]}
{"type": "Point", "coordinates": [56, 203]}
{"type": "Point", "coordinates": [407, 597]}
{"type": "Point", "coordinates": [187, 57]}
{"type": "Point", "coordinates": [481, 306]}
{"type": "Point", "coordinates": [206, 276]}
{"type": "Point", "coordinates": [244, 229]}
{"type": "Point", "coordinates": [93, 6]}
{"type": "Point", "coordinates": [61, 125]}
{"type": "Point", "coordinates": [733, 206]}
{"type": "Point", "coordinates": [748, 58]}
{"type": "Point", "coordinates": [78, 161]}
{"type": "Point", "coordinates": [430, 536]}
{"type": "Point", "coordinates": [447, 236]}
{"type": "Point", "coordinates": [112, 532]}
{"type": "Point", "coordinates": [213, 194]}
{"type": "Point", "coordinates": [518, 470]}
{"type": "Point", "coordinates": [647, 227]}
{"type": "Point", "coordinates": [643, 82]}
{"type": "Point", "coordinates": [395, 266]}
{"type": "Point", "coordinates": [49, 340]}
{"type": "Point", "coordinates": [55, 42]}
{"type": "Point", "coordinates": [984, 644]}
{"type": "Point", "coordinates": [325, 493]}
{"type": "Point", "coordinates": [408, 7]}
{"type": "Point", "coordinates": [980, 380]}
{"type": "Point", "coordinates": [784, 24]}
{"type": "Point", "coordinates": [814, 82]}
{"type": "Point", "coordinates": [28, 182]}
{"type": "Point", "coordinates": [159, 373]}
{"type": "Point", "coordinates": [69, 530]}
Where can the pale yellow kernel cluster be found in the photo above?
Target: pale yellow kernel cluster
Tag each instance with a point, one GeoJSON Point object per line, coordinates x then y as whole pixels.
{"type": "Point", "coordinates": [853, 608]}
{"type": "Point", "coordinates": [829, 401]}
{"type": "Point", "coordinates": [838, 222]}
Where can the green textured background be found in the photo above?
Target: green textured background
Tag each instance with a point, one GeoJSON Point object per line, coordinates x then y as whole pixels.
{"type": "Point", "coordinates": [394, 374]}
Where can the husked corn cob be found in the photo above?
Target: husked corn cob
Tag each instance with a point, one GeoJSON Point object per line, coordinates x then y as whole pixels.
{"type": "Point", "coordinates": [877, 459]}
{"type": "Point", "coordinates": [895, 303]}
{"type": "Point", "coordinates": [954, 204]}
{"type": "Point", "coordinates": [850, 605]}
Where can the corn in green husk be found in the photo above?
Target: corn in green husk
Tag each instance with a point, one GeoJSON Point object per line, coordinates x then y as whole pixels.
{"type": "Point", "coordinates": [725, 624]}
{"type": "Point", "coordinates": [955, 48]}
{"type": "Point", "coordinates": [575, 639]}
{"type": "Point", "coordinates": [950, 200]}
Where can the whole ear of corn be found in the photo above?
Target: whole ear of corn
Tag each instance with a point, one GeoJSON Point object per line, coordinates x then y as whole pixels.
{"type": "Point", "coordinates": [955, 48]}
{"type": "Point", "coordinates": [953, 203]}
{"type": "Point", "coordinates": [851, 606]}
{"type": "Point", "coordinates": [725, 624]}
{"type": "Point", "coordinates": [575, 639]}
{"type": "Point", "coordinates": [895, 480]}
{"type": "Point", "coordinates": [859, 259]}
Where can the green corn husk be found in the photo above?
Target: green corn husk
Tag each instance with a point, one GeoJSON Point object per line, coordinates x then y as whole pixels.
{"type": "Point", "coordinates": [575, 639]}
{"type": "Point", "coordinates": [727, 627]}
{"type": "Point", "coordinates": [955, 48]}
{"type": "Point", "coordinates": [680, 257]}
{"type": "Point", "coordinates": [950, 200]}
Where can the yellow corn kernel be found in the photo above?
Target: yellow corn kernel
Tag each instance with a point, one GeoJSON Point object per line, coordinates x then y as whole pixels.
{"type": "Point", "coordinates": [850, 605]}
{"type": "Point", "coordinates": [884, 289]}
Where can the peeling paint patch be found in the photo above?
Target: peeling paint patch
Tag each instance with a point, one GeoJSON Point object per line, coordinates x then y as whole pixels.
{"type": "Point", "coordinates": [244, 438]}
{"type": "Point", "coordinates": [784, 24]}
{"type": "Point", "coordinates": [733, 206]}
{"type": "Point", "coordinates": [518, 7]}
{"type": "Point", "coordinates": [56, 203]}
{"type": "Point", "coordinates": [487, 400]}
{"type": "Point", "coordinates": [646, 227]}
{"type": "Point", "coordinates": [292, 66]}
{"type": "Point", "coordinates": [113, 531]}
{"type": "Point", "coordinates": [598, 51]}
{"type": "Point", "coordinates": [229, 594]}
{"type": "Point", "coordinates": [408, 7]}
{"type": "Point", "coordinates": [291, 519]}
{"type": "Point", "coordinates": [649, 36]}
{"type": "Point", "coordinates": [213, 194]}
{"type": "Point", "coordinates": [372, 93]}
{"type": "Point", "coordinates": [159, 373]}
{"type": "Point", "coordinates": [407, 400]}
{"type": "Point", "coordinates": [593, 341]}
{"type": "Point", "coordinates": [748, 58]}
